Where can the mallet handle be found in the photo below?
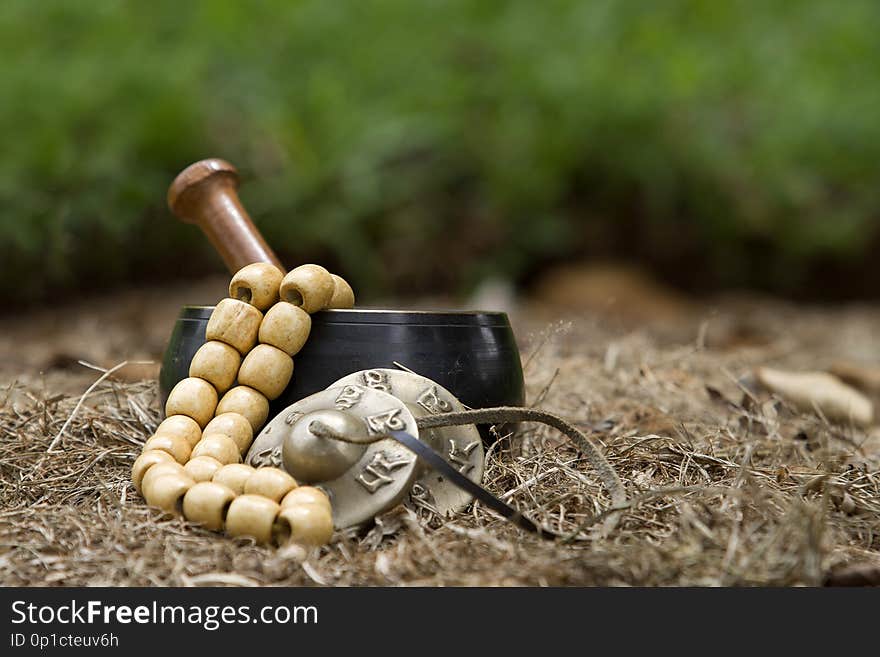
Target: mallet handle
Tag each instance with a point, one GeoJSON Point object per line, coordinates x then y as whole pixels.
{"type": "Point", "coordinates": [205, 194]}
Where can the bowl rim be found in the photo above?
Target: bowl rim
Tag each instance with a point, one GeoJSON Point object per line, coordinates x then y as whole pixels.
{"type": "Point", "coordinates": [383, 316]}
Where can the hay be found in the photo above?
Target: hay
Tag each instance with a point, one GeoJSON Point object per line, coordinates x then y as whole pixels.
{"type": "Point", "coordinates": [727, 485]}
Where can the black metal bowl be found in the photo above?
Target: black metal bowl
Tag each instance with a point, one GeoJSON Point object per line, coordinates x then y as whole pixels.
{"type": "Point", "coordinates": [472, 354]}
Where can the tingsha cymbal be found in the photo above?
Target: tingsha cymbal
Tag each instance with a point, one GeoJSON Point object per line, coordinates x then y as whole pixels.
{"type": "Point", "coordinates": [461, 446]}
{"type": "Point", "coordinates": [374, 477]}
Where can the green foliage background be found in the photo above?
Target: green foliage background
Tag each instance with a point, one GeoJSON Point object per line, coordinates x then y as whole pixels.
{"type": "Point", "coordinates": [419, 144]}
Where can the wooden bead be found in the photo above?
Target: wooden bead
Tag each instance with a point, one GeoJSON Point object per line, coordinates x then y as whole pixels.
{"type": "Point", "coordinates": [218, 446]}
{"type": "Point", "coordinates": [343, 295]}
{"type": "Point", "coordinates": [256, 284]}
{"type": "Point", "coordinates": [161, 469]}
{"type": "Point", "coordinates": [306, 495]}
{"type": "Point", "coordinates": [180, 425]}
{"type": "Point", "coordinates": [235, 476]}
{"type": "Point", "coordinates": [206, 503]}
{"type": "Point", "coordinates": [236, 323]}
{"type": "Point", "coordinates": [248, 402]}
{"type": "Point", "coordinates": [202, 468]}
{"type": "Point", "coordinates": [309, 286]}
{"type": "Point", "coordinates": [193, 397]}
{"type": "Point", "coordinates": [234, 425]}
{"type": "Point", "coordinates": [167, 490]}
{"type": "Point", "coordinates": [146, 461]}
{"type": "Point", "coordinates": [309, 524]}
{"type": "Point", "coordinates": [174, 445]}
{"type": "Point", "coordinates": [273, 483]}
{"type": "Point", "coordinates": [252, 515]}
{"type": "Point", "coordinates": [266, 369]}
{"type": "Point", "coordinates": [286, 327]}
{"type": "Point", "coordinates": [217, 363]}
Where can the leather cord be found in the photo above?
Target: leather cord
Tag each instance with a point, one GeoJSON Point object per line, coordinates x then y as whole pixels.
{"type": "Point", "coordinates": [505, 414]}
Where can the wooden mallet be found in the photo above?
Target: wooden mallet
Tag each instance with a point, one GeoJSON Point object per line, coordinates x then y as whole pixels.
{"type": "Point", "coordinates": [205, 194]}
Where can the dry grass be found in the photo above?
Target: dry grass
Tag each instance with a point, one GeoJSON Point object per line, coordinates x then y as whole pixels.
{"type": "Point", "coordinates": [727, 486]}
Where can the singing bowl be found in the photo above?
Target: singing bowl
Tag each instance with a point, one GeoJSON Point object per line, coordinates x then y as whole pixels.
{"type": "Point", "coordinates": [472, 354]}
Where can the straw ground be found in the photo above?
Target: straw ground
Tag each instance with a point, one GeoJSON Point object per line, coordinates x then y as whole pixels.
{"type": "Point", "coordinates": [726, 484]}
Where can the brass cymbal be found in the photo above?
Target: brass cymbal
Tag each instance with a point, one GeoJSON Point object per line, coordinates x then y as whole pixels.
{"type": "Point", "coordinates": [381, 473]}
{"type": "Point", "coordinates": [461, 446]}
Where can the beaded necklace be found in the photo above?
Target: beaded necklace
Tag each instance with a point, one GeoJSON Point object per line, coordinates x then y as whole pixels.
{"type": "Point", "coordinates": [192, 464]}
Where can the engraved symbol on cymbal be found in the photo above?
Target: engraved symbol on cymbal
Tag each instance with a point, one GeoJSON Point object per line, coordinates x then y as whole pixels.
{"type": "Point", "coordinates": [377, 380]}
{"type": "Point", "coordinates": [378, 471]}
{"type": "Point", "coordinates": [349, 397]}
{"type": "Point", "coordinates": [292, 417]}
{"type": "Point", "coordinates": [269, 457]}
{"type": "Point", "coordinates": [461, 456]}
{"type": "Point", "coordinates": [386, 421]}
{"type": "Point", "coordinates": [431, 402]}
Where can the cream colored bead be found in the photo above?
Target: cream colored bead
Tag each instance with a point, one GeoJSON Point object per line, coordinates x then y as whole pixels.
{"type": "Point", "coordinates": [273, 483]}
{"type": "Point", "coordinates": [145, 461]}
{"type": "Point", "coordinates": [308, 286]}
{"type": "Point", "coordinates": [266, 369]}
{"type": "Point", "coordinates": [217, 363]}
{"type": "Point", "coordinates": [207, 503]}
{"type": "Point", "coordinates": [236, 323]}
{"type": "Point", "coordinates": [306, 495]}
{"type": "Point", "coordinates": [167, 490]}
{"type": "Point", "coordinates": [202, 468]}
{"type": "Point", "coordinates": [343, 295]}
{"type": "Point", "coordinates": [286, 327]}
{"type": "Point", "coordinates": [235, 476]}
{"type": "Point", "coordinates": [310, 524]}
{"type": "Point", "coordinates": [248, 402]}
{"type": "Point", "coordinates": [180, 425]}
{"type": "Point", "coordinates": [237, 444]}
{"type": "Point", "coordinates": [256, 284]}
{"type": "Point", "coordinates": [174, 445]}
{"type": "Point", "coordinates": [193, 397]}
{"type": "Point", "coordinates": [234, 425]}
{"type": "Point", "coordinates": [252, 515]}
{"type": "Point", "coordinates": [159, 470]}
{"type": "Point", "coordinates": [218, 446]}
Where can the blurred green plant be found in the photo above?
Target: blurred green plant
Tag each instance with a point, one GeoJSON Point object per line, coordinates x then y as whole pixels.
{"type": "Point", "coordinates": [418, 144]}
